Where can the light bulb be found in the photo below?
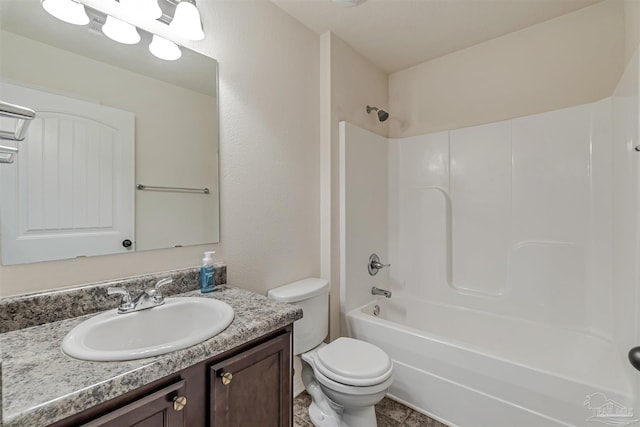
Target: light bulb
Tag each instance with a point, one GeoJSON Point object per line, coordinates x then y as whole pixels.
{"type": "Point", "coordinates": [120, 31]}
{"type": "Point", "coordinates": [164, 49]}
{"type": "Point", "coordinates": [186, 21]}
{"type": "Point", "coordinates": [146, 9]}
{"type": "Point", "coordinates": [66, 10]}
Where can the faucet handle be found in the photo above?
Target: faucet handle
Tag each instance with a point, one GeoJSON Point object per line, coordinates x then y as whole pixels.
{"type": "Point", "coordinates": [158, 298]}
{"type": "Point", "coordinates": [126, 297]}
{"type": "Point", "coordinates": [375, 264]}
{"type": "Point", "coordinates": [163, 282]}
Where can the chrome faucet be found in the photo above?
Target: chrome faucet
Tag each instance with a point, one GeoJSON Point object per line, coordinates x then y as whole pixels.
{"type": "Point", "coordinates": [147, 299]}
{"type": "Point", "coordinates": [378, 291]}
{"type": "Point", "coordinates": [375, 264]}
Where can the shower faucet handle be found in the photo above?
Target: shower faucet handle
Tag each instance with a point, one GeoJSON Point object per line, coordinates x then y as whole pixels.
{"type": "Point", "coordinates": [375, 265]}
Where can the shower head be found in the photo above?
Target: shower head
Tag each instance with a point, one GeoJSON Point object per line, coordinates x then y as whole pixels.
{"type": "Point", "coordinates": [382, 115]}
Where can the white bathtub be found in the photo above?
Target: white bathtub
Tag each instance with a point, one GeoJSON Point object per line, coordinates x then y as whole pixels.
{"type": "Point", "coordinates": [474, 369]}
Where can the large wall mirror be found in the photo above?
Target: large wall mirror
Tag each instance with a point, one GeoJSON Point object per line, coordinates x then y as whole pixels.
{"type": "Point", "coordinates": [123, 153]}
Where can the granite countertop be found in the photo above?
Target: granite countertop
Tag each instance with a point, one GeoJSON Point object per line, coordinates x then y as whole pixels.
{"type": "Point", "coordinates": [42, 385]}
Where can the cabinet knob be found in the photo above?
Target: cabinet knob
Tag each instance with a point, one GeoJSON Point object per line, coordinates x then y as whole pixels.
{"type": "Point", "coordinates": [226, 378]}
{"type": "Point", "coordinates": [179, 402]}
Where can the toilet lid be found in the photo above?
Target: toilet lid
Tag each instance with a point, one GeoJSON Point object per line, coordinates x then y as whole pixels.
{"type": "Point", "coordinates": [353, 362]}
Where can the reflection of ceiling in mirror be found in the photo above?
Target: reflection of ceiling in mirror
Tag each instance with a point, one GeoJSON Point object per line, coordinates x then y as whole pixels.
{"type": "Point", "coordinates": [28, 19]}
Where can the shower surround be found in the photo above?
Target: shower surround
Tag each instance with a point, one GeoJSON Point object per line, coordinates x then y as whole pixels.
{"type": "Point", "coordinates": [513, 251]}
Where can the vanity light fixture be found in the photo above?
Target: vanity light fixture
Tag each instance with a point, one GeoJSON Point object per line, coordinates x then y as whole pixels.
{"type": "Point", "coordinates": [147, 9]}
{"type": "Point", "coordinates": [146, 14]}
{"type": "Point", "coordinates": [186, 21]}
{"type": "Point", "coordinates": [120, 31]}
{"type": "Point", "coordinates": [68, 11]}
{"type": "Point", "coordinates": [164, 49]}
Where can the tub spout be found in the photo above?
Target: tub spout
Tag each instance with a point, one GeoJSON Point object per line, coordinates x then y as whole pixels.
{"type": "Point", "coordinates": [378, 291]}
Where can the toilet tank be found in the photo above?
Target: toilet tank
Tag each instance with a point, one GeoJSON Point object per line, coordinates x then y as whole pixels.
{"type": "Point", "coordinates": [312, 295]}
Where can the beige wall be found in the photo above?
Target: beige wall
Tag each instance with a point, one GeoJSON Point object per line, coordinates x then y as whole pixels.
{"type": "Point", "coordinates": [269, 161]}
{"type": "Point", "coordinates": [569, 60]}
{"type": "Point", "coordinates": [632, 28]}
{"type": "Point", "coordinates": [352, 83]}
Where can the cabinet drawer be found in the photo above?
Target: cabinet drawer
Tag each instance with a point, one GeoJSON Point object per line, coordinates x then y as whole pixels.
{"type": "Point", "coordinates": [164, 408]}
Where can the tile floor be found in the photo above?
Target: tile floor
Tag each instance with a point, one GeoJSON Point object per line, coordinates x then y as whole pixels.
{"type": "Point", "coordinates": [388, 412]}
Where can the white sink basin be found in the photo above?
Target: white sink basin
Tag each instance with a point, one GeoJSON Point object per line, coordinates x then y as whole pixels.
{"type": "Point", "coordinates": [178, 323]}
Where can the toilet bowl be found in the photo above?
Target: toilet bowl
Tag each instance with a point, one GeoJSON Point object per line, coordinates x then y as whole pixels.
{"type": "Point", "coordinates": [344, 378]}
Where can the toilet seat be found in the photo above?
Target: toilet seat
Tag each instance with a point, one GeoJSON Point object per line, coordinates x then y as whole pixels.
{"type": "Point", "coordinates": [351, 390]}
{"type": "Point", "coordinates": [353, 363]}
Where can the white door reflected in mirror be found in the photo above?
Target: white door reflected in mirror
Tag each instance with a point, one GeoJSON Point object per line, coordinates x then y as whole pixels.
{"type": "Point", "coordinates": [73, 182]}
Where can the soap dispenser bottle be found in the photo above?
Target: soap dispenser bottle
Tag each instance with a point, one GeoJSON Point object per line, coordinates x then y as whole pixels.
{"type": "Point", "coordinates": [207, 273]}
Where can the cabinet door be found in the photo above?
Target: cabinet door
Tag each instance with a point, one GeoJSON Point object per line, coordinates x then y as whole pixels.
{"type": "Point", "coordinates": [254, 387]}
{"type": "Point", "coordinates": [164, 408]}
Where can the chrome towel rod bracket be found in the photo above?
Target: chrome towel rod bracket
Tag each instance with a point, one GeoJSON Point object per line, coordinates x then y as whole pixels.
{"type": "Point", "coordinates": [7, 154]}
{"type": "Point", "coordinates": [204, 190]}
{"type": "Point", "coordinates": [22, 114]}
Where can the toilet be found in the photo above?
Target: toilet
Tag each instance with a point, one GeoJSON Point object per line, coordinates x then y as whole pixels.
{"type": "Point", "coordinates": [346, 377]}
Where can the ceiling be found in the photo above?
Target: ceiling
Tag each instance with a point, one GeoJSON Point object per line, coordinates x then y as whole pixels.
{"type": "Point", "coordinates": [397, 34]}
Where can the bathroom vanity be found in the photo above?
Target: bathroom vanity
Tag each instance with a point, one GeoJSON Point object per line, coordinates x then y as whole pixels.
{"type": "Point", "coordinates": [242, 376]}
{"type": "Point", "coordinates": [247, 386]}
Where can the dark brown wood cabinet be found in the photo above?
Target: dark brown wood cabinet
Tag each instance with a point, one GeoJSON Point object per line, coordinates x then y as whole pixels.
{"type": "Point", "coordinates": [248, 386]}
{"type": "Point", "coordinates": [253, 388]}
